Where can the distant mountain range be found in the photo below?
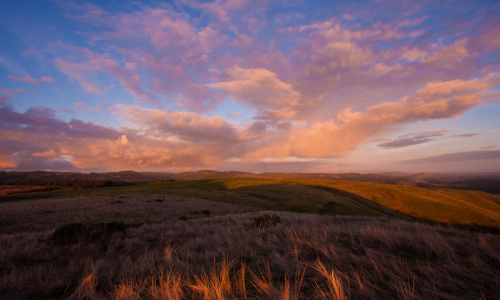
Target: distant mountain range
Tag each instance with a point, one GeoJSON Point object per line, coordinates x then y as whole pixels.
{"type": "Point", "coordinates": [489, 183]}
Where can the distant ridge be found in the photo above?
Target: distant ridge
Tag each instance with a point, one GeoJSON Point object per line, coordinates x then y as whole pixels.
{"type": "Point", "coordinates": [489, 183]}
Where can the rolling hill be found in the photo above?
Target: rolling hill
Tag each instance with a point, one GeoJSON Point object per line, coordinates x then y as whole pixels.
{"type": "Point", "coordinates": [314, 196]}
{"type": "Point", "coordinates": [207, 239]}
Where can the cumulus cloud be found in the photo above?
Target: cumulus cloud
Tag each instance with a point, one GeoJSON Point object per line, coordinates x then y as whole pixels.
{"type": "Point", "coordinates": [316, 90]}
{"type": "Point", "coordinates": [165, 139]}
{"type": "Point", "coordinates": [180, 126]}
{"type": "Point", "coordinates": [260, 88]}
{"type": "Point", "coordinates": [435, 101]}
{"type": "Point", "coordinates": [38, 139]}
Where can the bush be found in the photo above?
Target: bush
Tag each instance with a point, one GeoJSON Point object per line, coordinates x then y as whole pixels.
{"type": "Point", "coordinates": [74, 232]}
{"type": "Point", "coordinates": [266, 220]}
{"type": "Point", "coordinates": [331, 209]}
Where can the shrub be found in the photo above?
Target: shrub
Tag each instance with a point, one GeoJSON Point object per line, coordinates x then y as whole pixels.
{"type": "Point", "coordinates": [266, 220]}
{"type": "Point", "coordinates": [330, 209]}
{"type": "Point", "coordinates": [74, 232]}
{"type": "Point", "coordinates": [68, 233]}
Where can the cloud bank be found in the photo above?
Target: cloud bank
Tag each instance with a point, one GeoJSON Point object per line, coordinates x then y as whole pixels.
{"type": "Point", "coordinates": [307, 86]}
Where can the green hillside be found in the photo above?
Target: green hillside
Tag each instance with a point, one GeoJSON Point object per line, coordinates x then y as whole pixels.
{"type": "Point", "coordinates": [310, 195]}
{"type": "Point", "coordinates": [313, 195]}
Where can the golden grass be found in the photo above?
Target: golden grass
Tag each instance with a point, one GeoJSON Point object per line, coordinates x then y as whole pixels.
{"type": "Point", "coordinates": [179, 252]}
{"type": "Point", "coordinates": [227, 257]}
{"type": "Point", "coordinates": [443, 205]}
{"type": "Point", "coordinates": [335, 288]}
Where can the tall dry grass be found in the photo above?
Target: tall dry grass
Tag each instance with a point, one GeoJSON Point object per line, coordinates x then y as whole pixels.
{"type": "Point", "coordinates": [303, 257]}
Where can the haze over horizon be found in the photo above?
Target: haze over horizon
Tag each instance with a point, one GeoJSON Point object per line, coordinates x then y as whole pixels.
{"type": "Point", "coordinates": [284, 86]}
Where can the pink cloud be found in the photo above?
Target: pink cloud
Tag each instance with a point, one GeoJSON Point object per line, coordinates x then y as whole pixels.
{"type": "Point", "coordinates": [47, 79]}
{"type": "Point", "coordinates": [176, 56]}
{"type": "Point", "coordinates": [259, 87]}
{"type": "Point", "coordinates": [274, 99]}
{"type": "Point", "coordinates": [449, 56]}
{"type": "Point", "coordinates": [23, 79]}
{"type": "Point", "coordinates": [48, 153]}
{"type": "Point", "coordinates": [78, 72]}
{"type": "Point", "coordinates": [93, 63]}
{"type": "Point", "coordinates": [235, 114]}
{"type": "Point", "coordinates": [221, 10]}
{"type": "Point", "coordinates": [67, 110]}
{"type": "Point", "coordinates": [84, 107]}
{"type": "Point", "coordinates": [4, 100]}
{"type": "Point", "coordinates": [12, 92]}
{"type": "Point", "coordinates": [192, 127]}
{"type": "Point", "coordinates": [161, 140]}
{"type": "Point", "coordinates": [324, 139]}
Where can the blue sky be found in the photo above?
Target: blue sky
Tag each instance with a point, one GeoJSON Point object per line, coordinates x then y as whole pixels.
{"type": "Point", "coordinates": [310, 86]}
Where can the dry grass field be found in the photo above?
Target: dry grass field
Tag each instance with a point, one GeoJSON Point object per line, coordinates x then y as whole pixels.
{"type": "Point", "coordinates": [50, 213]}
{"type": "Point", "coordinates": [212, 240]}
{"type": "Point", "coordinates": [21, 189]}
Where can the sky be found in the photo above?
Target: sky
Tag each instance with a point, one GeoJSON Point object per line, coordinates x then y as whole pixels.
{"type": "Point", "coordinates": [258, 86]}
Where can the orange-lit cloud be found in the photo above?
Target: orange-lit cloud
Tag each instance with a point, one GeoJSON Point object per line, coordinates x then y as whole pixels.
{"type": "Point", "coordinates": [262, 89]}
{"type": "Point", "coordinates": [195, 84]}
{"type": "Point", "coordinates": [436, 100]}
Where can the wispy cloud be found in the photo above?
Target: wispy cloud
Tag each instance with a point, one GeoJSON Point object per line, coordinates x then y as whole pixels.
{"type": "Point", "coordinates": [47, 79]}
{"type": "Point", "coordinates": [423, 137]}
{"type": "Point", "coordinates": [84, 107]}
{"type": "Point", "coordinates": [465, 135]}
{"type": "Point", "coordinates": [12, 91]}
{"type": "Point", "coordinates": [413, 139]}
{"type": "Point", "coordinates": [457, 157]}
{"type": "Point", "coordinates": [23, 79]}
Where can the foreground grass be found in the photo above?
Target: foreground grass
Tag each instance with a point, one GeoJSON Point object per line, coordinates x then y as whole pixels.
{"type": "Point", "coordinates": [228, 257]}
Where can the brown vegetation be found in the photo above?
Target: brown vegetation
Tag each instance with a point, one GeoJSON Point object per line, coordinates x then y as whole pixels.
{"type": "Point", "coordinates": [49, 213]}
{"type": "Point", "coordinates": [228, 257]}
{"type": "Point", "coordinates": [161, 241]}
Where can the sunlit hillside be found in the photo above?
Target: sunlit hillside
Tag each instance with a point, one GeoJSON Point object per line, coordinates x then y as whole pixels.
{"type": "Point", "coordinates": [311, 196]}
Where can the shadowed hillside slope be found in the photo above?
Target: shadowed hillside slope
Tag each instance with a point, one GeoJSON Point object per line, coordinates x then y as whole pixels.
{"type": "Point", "coordinates": [313, 196]}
